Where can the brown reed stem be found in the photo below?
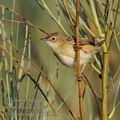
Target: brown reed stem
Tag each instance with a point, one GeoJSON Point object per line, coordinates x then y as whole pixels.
{"type": "Point", "coordinates": [78, 69]}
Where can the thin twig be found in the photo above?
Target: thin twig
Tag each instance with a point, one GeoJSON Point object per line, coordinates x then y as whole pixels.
{"type": "Point", "coordinates": [34, 81]}
{"type": "Point", "coordinates": [80, 88]}
{"type": "Point", "coordinates": [97, 98]}
{"type": "Point", "coordinates": [26, 23]}
{"type": "Point", "coordinates": [36, 92]}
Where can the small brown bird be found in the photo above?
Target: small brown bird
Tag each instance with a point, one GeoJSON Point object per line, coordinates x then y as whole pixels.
{"type": "Point", "coordinates": [64, 48]}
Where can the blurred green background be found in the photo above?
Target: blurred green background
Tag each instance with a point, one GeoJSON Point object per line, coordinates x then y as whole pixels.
{"type": "Point", "coordinates": [17, 98]}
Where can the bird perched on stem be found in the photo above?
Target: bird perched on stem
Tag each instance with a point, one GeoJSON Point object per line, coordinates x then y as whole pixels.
{"type": "Point", "coordinates": [64, 48]}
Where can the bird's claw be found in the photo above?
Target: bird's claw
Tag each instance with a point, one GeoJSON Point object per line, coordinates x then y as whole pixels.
{"type": "Point", "coordinates": [77, 47]}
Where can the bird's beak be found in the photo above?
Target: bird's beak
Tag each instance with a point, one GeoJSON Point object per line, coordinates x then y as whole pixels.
{"type": "Point", "coordinates": [44, 38]}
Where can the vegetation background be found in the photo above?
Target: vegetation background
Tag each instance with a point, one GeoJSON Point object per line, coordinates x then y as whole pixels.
{"type": "Point", "coordinates": [25, 59]}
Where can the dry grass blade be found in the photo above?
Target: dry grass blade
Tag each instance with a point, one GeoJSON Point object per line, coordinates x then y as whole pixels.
{"type": "Point", "coordinates": [34, 81]}
{"type": "Point", "coordinates": [20, 52]}
{"type": "Point", "coordinates": [69, 16]}
{"type": "Point", "coordinates": [22, 21]}
{"type": "Point", "coordinates": [44, 75]}
{"type": "Point", "coordinates": [51, 15]}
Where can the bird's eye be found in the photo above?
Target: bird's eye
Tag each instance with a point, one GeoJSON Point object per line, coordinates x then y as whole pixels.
{"type": "Point", "coordinates": [53, 38]}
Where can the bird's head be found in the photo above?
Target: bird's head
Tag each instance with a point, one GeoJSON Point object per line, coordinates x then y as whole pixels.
{"type": "Point", "coordinates": [55, 40]}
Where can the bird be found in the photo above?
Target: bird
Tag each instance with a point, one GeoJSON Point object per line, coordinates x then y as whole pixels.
{"type": "Point", "coordinates": [64, 48]}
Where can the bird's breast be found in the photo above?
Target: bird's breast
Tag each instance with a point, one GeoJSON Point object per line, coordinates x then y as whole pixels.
{"type": "Point", "coordinates": [69, 61]}
{"type": "Point", "coordinates": [67, 56]}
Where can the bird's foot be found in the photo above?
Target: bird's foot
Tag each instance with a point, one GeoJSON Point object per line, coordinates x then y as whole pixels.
{"type": "Point", "coordinates": [77, 47]}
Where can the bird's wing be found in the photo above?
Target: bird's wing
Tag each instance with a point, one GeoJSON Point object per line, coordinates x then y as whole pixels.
{"type": "Point", "coordinates": [85, 41]}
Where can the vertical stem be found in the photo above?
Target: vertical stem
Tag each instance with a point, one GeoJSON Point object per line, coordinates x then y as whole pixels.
{"type": "Point", "coordinates": [20, 73]}
{"type": "Point", "coordinates": [80, 88]}
{"type": "Point", "coordinates": [105, 86]}
{"type": "Point", "coordinates": [5, 57]}
{"type": "Point", "coordinates": [27, 38]}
